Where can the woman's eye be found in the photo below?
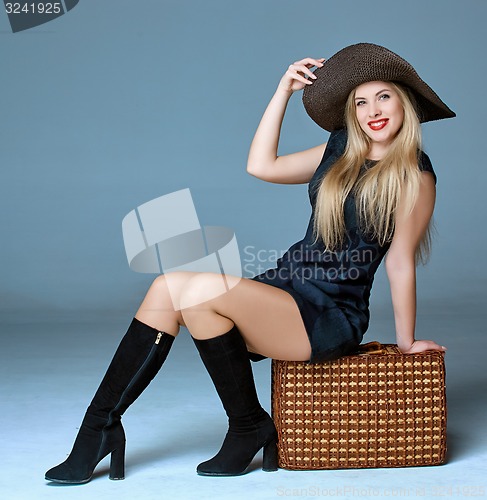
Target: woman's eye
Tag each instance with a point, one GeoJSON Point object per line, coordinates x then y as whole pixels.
{"type": "Point", "coordinates": [384, 96]}
{"type": "Point", "coordinates": [360, 103]}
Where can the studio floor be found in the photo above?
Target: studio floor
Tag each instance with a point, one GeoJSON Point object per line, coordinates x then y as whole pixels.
{"type": "Point", "coordinates": [51, 365]}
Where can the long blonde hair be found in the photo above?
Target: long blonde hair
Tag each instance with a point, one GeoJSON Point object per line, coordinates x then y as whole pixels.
{"type": "Point", "coordinates": [378, 191]}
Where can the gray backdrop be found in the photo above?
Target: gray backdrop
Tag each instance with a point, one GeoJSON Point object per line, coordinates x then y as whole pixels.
{"type": "Point", "coordinates": [119, 102]}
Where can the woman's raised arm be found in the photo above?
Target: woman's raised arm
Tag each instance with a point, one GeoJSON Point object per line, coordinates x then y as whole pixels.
{"type": "Point", "coordinates": [263, 161]}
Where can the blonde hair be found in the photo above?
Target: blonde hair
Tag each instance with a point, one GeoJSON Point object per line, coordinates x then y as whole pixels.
{"type": "Point", "coordinates": [378, 191]}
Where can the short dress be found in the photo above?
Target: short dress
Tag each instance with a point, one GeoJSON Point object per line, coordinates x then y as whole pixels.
{"type": "Point", "coordinates": [332, 289]}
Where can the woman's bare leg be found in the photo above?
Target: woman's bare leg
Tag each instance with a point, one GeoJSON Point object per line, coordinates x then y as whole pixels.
{"type": "Point", "coordinates": [138, 358]}
{"type": "Point", "coordinates": [267, 317]}
{"type": "Point", "coordinates": [160, 307]}
{"type": "Point", "coordinates": [249, 315]}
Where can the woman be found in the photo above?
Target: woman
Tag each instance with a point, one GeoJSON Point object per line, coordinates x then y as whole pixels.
{"type": "Point", "coordinates": [372, 192]}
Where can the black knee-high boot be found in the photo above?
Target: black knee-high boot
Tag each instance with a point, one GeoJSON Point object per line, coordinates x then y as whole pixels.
{"type": "Point", "coordinates": [136, 362]}
{"type": "Point", "coordinates": [250, 426]}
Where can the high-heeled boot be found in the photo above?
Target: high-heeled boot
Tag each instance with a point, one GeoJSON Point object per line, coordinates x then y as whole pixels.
{"type": "Point", "coordinates": [250, 426]}
{"type": "Point", "coordinates": [136, 362]}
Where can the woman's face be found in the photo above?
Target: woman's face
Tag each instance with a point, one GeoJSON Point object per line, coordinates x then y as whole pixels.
{"type": "Point", "coordinates": [379, 113]}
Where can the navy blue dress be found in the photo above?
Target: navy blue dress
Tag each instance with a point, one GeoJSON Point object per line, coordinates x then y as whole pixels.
{"type": "Point", "coordinates": [331, 289]}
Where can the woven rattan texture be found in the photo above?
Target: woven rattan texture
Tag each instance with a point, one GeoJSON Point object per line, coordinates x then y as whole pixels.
{"type": "Point", "coordinates": [368, 410]}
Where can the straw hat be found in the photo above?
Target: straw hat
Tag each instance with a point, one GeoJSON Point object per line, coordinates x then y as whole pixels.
{"type": "Point", "coordinates": [325, 99]}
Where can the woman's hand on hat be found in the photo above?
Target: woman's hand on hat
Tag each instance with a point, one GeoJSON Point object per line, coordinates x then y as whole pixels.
{"type": "Point", "coordinates": [295, 76]}
{"type": "Point", "coordinates": [422, 345]}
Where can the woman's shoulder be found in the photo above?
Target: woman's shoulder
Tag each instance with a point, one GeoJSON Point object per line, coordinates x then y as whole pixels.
{"type": "Point", "coordinates": [338, 139]}
{"type": "Point", "coordinates": [336, 144]}
{"type": "Point", "coordinates": [425, 165]}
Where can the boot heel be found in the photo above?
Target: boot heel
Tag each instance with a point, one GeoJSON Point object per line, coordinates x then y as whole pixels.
{"type": "Point", "coordinates": [269, 462]}
{"type": "Point", "coordinates": [117, 463]}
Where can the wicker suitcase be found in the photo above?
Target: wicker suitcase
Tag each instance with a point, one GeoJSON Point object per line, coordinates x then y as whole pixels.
{"type": "Point", "coordinates": [376, 408]}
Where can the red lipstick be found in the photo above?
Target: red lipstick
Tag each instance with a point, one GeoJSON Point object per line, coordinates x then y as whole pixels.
{"type": "Point", "coordinates": [378, 124]}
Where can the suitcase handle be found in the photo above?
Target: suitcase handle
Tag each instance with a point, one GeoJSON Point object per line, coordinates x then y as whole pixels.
{"type": "Point", "coordinates": [374, 347]}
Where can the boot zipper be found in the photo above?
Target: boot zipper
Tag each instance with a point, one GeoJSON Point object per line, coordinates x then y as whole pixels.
{"type": "Point", "coordinates": [137, 375]}
{"type": "Point", "coordinates": [141, 369]}
{"type": "Point", "coordinates": [129, 386]}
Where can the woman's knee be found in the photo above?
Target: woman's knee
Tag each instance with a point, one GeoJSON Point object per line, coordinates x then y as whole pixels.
{"type": "Point", "coordinates": [159, 282]}
{"type": "Point", "coordinates": [168, 286]}
{"type": "Point", "coordinates": [160, 306]}
{"type": "Point", "coordinates": [201, 288]}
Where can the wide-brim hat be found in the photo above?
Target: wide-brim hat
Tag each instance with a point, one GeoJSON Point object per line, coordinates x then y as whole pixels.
{"type": "Point", "coordinates": [352, 66]}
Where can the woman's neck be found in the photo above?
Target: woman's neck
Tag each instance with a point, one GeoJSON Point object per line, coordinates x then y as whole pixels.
{"type": "Point", "coordinates": [377, 151]}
